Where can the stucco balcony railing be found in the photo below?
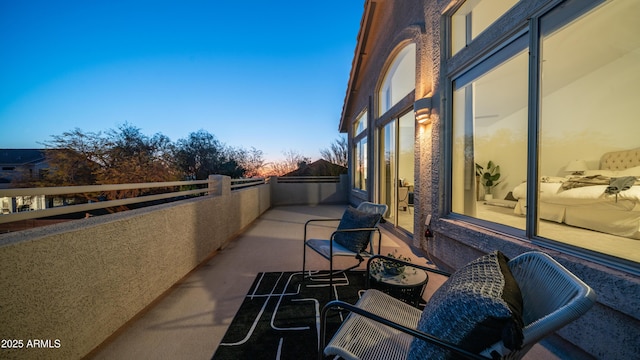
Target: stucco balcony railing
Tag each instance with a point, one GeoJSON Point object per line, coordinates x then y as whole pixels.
{"type": "Point", "coordinates": [80, 281]}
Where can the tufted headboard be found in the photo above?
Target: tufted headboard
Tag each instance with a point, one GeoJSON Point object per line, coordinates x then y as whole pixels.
{"type": "Point", "coordinates": [620, 160]}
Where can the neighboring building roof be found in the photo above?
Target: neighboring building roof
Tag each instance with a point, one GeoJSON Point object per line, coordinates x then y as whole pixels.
{"type": "Point", "coordinates": [318, 168]}
{"type": "Point", "coordinates": [18, 157]}
{"type": "Point", "coordinates": [12, 161]}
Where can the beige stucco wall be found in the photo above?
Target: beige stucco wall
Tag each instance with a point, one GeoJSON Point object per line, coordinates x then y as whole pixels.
{"type": "Point", "coordinates": [309, 193]}
{"type": "Point", "coordinates": [76, 283]}
{"type": "Point", "coordinates": [611, 328]}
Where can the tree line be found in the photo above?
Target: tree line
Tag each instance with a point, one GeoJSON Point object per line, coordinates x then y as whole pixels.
{"type": "Point", "coordinates": [126, 155]}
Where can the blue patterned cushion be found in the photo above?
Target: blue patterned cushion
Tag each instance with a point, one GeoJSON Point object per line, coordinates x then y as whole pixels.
{"type": "Point", "coordinates": [355, 241]}
{"type": "Point", "coordinates": [479, 305]}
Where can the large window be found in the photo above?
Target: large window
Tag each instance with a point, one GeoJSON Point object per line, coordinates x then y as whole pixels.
{"type": "Point", "coordinates": [582, 77]}
{"type": "Point", "coordinates": [360, 152]}
{"type": "Point", "coordinates": [396, 138]}
{"type": "Point", "coordinates": [590, 72]}
{"type": "Point", "coordinates": [360, 156]}
{"type": "Point", "coordinates": [490, 137]}
{"type": "Point", "coordinates": [360, 124]}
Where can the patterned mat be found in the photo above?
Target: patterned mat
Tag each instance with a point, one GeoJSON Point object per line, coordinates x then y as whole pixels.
{"type": "Point", "coordinates": [280, 315]}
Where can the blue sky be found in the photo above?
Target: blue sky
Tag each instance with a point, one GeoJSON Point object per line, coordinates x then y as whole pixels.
{"type": "Point", "coordinates": [265, 74]}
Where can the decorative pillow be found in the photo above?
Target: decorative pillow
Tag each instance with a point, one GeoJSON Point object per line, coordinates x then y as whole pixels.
{"type": "Point", "coordinates": [354, 219]}
{"type": "Point", "coordinates": [479, 305]}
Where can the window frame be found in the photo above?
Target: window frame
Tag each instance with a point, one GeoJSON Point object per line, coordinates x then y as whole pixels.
{"type": "Point", "coordinates": [551, 15]}
{"type": "Point", "coordinates": [363, 117]}
{"type": "Point", "coordinates": [468, 21]}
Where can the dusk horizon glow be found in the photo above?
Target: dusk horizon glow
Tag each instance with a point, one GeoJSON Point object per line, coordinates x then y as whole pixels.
{"type": "Point", "coordinates": [254, 74]}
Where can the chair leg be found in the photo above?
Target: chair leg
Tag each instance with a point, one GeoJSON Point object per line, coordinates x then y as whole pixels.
{"type": "Point", "coordinates": [331, 273]}
{"type": "Point", "coordinates": [304, 258]}
{"type": "Point", "coordinates": [330, 277]}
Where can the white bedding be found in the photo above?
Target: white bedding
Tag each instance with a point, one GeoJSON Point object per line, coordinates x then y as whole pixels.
{"type": "Point", "coordinates": [552, 192]}
{"type": "Point", "coordinates": [588, 207]}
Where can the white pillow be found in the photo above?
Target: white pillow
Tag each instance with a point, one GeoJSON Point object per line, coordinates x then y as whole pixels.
{"type": "Point", "coordinates": [634, 171]}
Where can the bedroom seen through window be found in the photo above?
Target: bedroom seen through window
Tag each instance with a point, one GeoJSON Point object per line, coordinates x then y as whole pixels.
{"type": "Point", "coordinates": [589, 93]}
{"type": "Point", "coordinates": [585, 149]}
{"type": "Point", "coordinates": [490, 137]}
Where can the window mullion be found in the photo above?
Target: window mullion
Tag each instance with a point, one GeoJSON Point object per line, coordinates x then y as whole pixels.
{"type": "Point", "coordinates": [533, 128]}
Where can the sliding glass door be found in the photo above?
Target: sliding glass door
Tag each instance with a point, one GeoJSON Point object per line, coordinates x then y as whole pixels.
{"type": "Point", "coordinates": [397, 170]}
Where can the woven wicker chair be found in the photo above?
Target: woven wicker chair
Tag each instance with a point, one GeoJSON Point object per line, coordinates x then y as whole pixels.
{"type": "Point", "coordinates": [381, 327]}
{"type": "Point", "coordinates": [329, 248]}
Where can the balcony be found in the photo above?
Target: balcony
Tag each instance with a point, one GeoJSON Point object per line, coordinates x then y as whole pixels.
{"type": "Point", "coordinates": [164, 281]}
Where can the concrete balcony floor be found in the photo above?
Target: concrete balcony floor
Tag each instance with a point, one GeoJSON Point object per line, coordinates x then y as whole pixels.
{"type": "Point", "coordinates": [189, 321]}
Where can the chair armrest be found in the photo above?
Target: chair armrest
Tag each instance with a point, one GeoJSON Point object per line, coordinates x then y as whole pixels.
{"type": "Point", "coordinates": [406, 263]}
{"type": "Point", "coordinates": [312, 221]}
{"type": "Point", "coordinates": [337, 304]}
{"type": "Point", "coordinates": [353, 230]}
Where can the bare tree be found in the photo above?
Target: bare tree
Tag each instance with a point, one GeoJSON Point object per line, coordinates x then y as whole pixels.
{"type": "Point", "coordinates": [337, 153]}
{"type": "Point", "coordinates": [73, 158]}
{"type": "Point", "coordinates": [252, 161]}
{"type": "Point", "coordinates": [115, 157]}
{"type": "Point", "coordinates": [126, 155]}
{"type": "Point", "coordinates": [292, 161]}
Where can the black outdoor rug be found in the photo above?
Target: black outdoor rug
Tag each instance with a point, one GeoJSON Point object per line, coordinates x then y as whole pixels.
{"type": "Point", "coordinates": [280, 316]}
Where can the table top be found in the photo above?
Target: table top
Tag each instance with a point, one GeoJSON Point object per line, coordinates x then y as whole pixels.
{"type": "Point", "coordinates": [409, 278]}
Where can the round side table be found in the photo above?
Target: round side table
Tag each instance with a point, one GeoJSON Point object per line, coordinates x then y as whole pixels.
{"type": "Point", "coordinates": [407, 286]}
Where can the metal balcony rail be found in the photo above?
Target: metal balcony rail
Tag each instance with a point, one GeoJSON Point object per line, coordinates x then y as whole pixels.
{"type": "Point", "coordinates": [308, 179]}
{"type": "Point", "coordinates": [184, 188]}
{"type": "Point", "coordinates": [237, 184]}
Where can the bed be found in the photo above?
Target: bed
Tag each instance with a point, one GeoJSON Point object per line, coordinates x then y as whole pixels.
{"type": "Point", "coordinates": [583, 201]}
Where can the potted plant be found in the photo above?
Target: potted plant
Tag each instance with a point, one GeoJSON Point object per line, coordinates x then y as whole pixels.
{"type": "Point", "coordinates": [390, 268]}
{"type": "Point", "coordinates": [489, 177]}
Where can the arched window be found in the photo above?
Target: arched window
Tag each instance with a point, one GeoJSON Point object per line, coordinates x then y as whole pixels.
{"type": "Point", "coordinates": [400, 78]}
{"type": "Point", "coordinates": [396, 138]}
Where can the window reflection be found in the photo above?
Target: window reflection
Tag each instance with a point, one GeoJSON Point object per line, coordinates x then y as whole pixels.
{"type": "Point", "coordinates": [472, 18]}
